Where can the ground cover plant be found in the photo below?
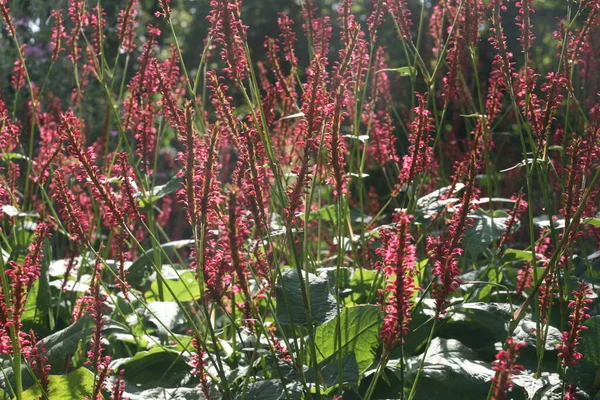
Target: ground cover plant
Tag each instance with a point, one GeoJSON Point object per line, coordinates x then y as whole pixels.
{"type": "Point", "coordinates": [383, 199]}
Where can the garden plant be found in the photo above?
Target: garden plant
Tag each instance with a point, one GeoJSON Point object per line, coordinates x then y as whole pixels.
{"type": "Point", "coordinates": [382, 199]}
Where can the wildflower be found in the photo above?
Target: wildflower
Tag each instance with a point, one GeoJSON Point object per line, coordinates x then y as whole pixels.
{"type": "Point", "coordinates": [376, 18]}
{"type": "Point", "coordinates": [445, 249]}
{"type": "Point", "coordinates": [18, 77]}
{"type": "Point", "coordinates": [503, 60]}
{"type": "Point", "coordinates": [519, 208]}
{"type": "Point", "coordinates": [80, 18]}
{"type": "Point", "coordinates": [420, 152]}
{"type": "Point", "coordinates": [86, 169]}
{"type": "Point", "coordinates": [547, 294]}
{"type": "Point", "coordinates": [402, 17]}
{"type": "Point", "coordinates": [5, 13]}
{"type": "Point", "coordinates": [199, 365]}
{"type": "Point", "coordinates": [505, 366]}
{"type": "Point", "coordinates": [288, 39]}
{"type": "Point", "coordinates": [9, 131]}
{"type": "Point", "coordinates": [38, 361]}
{"type": "Point", "coordinates": [165, 6]}
{"type": "Point", "coordinates": [118, 388]}
{"type": "Point", "coordinates": [524, 24]}
{"type": "Point", "coordinates": [24, 274]}
{"type": "Point", "coordinates": [572, 337]}
{"type": "Point", "coordinates": [571, 393]}
{"type": "Point", "coordinates": [227, 29]}
{"type": "Point", "coordinates": [126, 23]}
{"type": "Point", "coordinates": [398, 263]}
{"type": "Point", "coordinates": [76, 221]}
{"type": "Point", "coordinates": [314, 107]}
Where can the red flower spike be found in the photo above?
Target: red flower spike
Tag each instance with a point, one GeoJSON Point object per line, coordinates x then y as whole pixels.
{"type": "Point", "coordinates": [572, 337]}
{"type": "Point", "coordinates": [505, 366]}
{"type": "Point", "coordinates": [398, 264]}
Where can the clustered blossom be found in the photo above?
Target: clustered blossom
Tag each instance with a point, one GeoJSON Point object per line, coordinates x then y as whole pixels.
{"type": "Point", "coordinates": [420, 152]}
{"type": "Point", "coordinates": [77, 223]}
{"type": "Point", "coordinates": [315, 108]}
{"type": "Point", "coordinates": [398, 264]}
{"type": "Point", "coordinates": [505, 366]}
{"type": "Point", "coordinates": [445, 249]}
{"type": "Point", "coordinates": [572, 337]}
{"type": "Point", "coordinates": [199, 364]}
{"type": "Point", "coordinates": [87, 169]}
{"type": "Point", "coordinates": [227, 30]}
{"type": "Point", "coordinates": [9, 130]}
{"type": "Point", "coordinates": [24, 274]}
{"type": "Point", "coordinates": [58, 33]}
{"type": "Point", "coordinates": [5, 13]}
{"type": "Point", "coordinates": [80, 19]}
{"type": "Point", "coordinates": [38, 361]}
{"type": "Point", "coordinates": [402, 17]}
{"type": "Point", "coordinates": [18, 77]}
{"type": "Point", "coordinates": [519, 208]}
{"type": "Point", "coordinates": [126, 23]}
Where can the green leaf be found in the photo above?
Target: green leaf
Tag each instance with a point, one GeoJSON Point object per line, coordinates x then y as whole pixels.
{"type": "Point", "coordinates": [526, 333]}
{"type": "Point", "coordinates": [270, 389]}
{"type": "Point", "coordinates": [185, 289]}
{"type": "Point", "coordinates": [290, 303]}
{"type": "Point", "coordinates": [65, 342]}
{"type": "Point", "coordinates": [156, 367]}
{"type": "Point", "coordinates": [493, 276]}
{"type": "Point", "coordinates": [484, 230]}
{"type": "Point", "coordinates": [330, 372]}
{"type": "Point", "coordinates": [74, 386]}
{"type": "Point", "coordinates": [143, 263]}
{"type": "Point", "coordinates": [325, 214]}
{"type": "Point", "coordinates": [592, 221]}
{"type": "Point", "coordinates": [402, 71]}
{"type": "Point", "coordinates": [359, 328]}
{"type": "Point", "coordinates": [492, 318]}
{"type": "Point", "coordinates": [451, 371]}
{"type": "Point", "coordinates": [14, 156]}
{"type": "Point", "coordinates": [518, 255]}
{"type": "Point", "coordinates": [158, 192]}
{"type": "Point", "coordinates": [362, 282]}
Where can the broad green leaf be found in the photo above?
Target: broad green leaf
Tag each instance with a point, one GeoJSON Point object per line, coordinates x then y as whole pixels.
{"type": "Point", "coordinates": [544, 386]}
{"type": "Point", "coordinates": [518, 255]}
{"type": "Point", "coordinates": [330, 372]}
{"type": "Point", "coordinates": [65, 342]}
{"type": "Point", "coordinates": [155, 367]}
{"type": "Point", "coordinates": [165, 315]}
{"type": "Point", "coordinates": [493, 276]}
{"type": "Point", "coordinates": [143, 264]}
{"type": "Point", "coordinates": [75, 385]}
{"type": "Point", "coordinates": [359, 328]}
{"type": "Point", "coordinates": [491, 318]}
{"type": "Point", "coordinates": [451, 371]}
{"type": "Point", "coordinates": [326, 214]}
{"type": "Point", "coordinates": [185, 289]}
{"type": "Point", "coordinates": [484, 230]}
{"type": "Point", "coordinates": [526, 333]}
{"type": "Point", "coordinates": [290, 303]}
{"type": "Point", "coordinates": [158, 192]}
{"type": "Point", "coordinates": [270, 389]}
{"type": "Point", "coordinates": [363, 283]}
